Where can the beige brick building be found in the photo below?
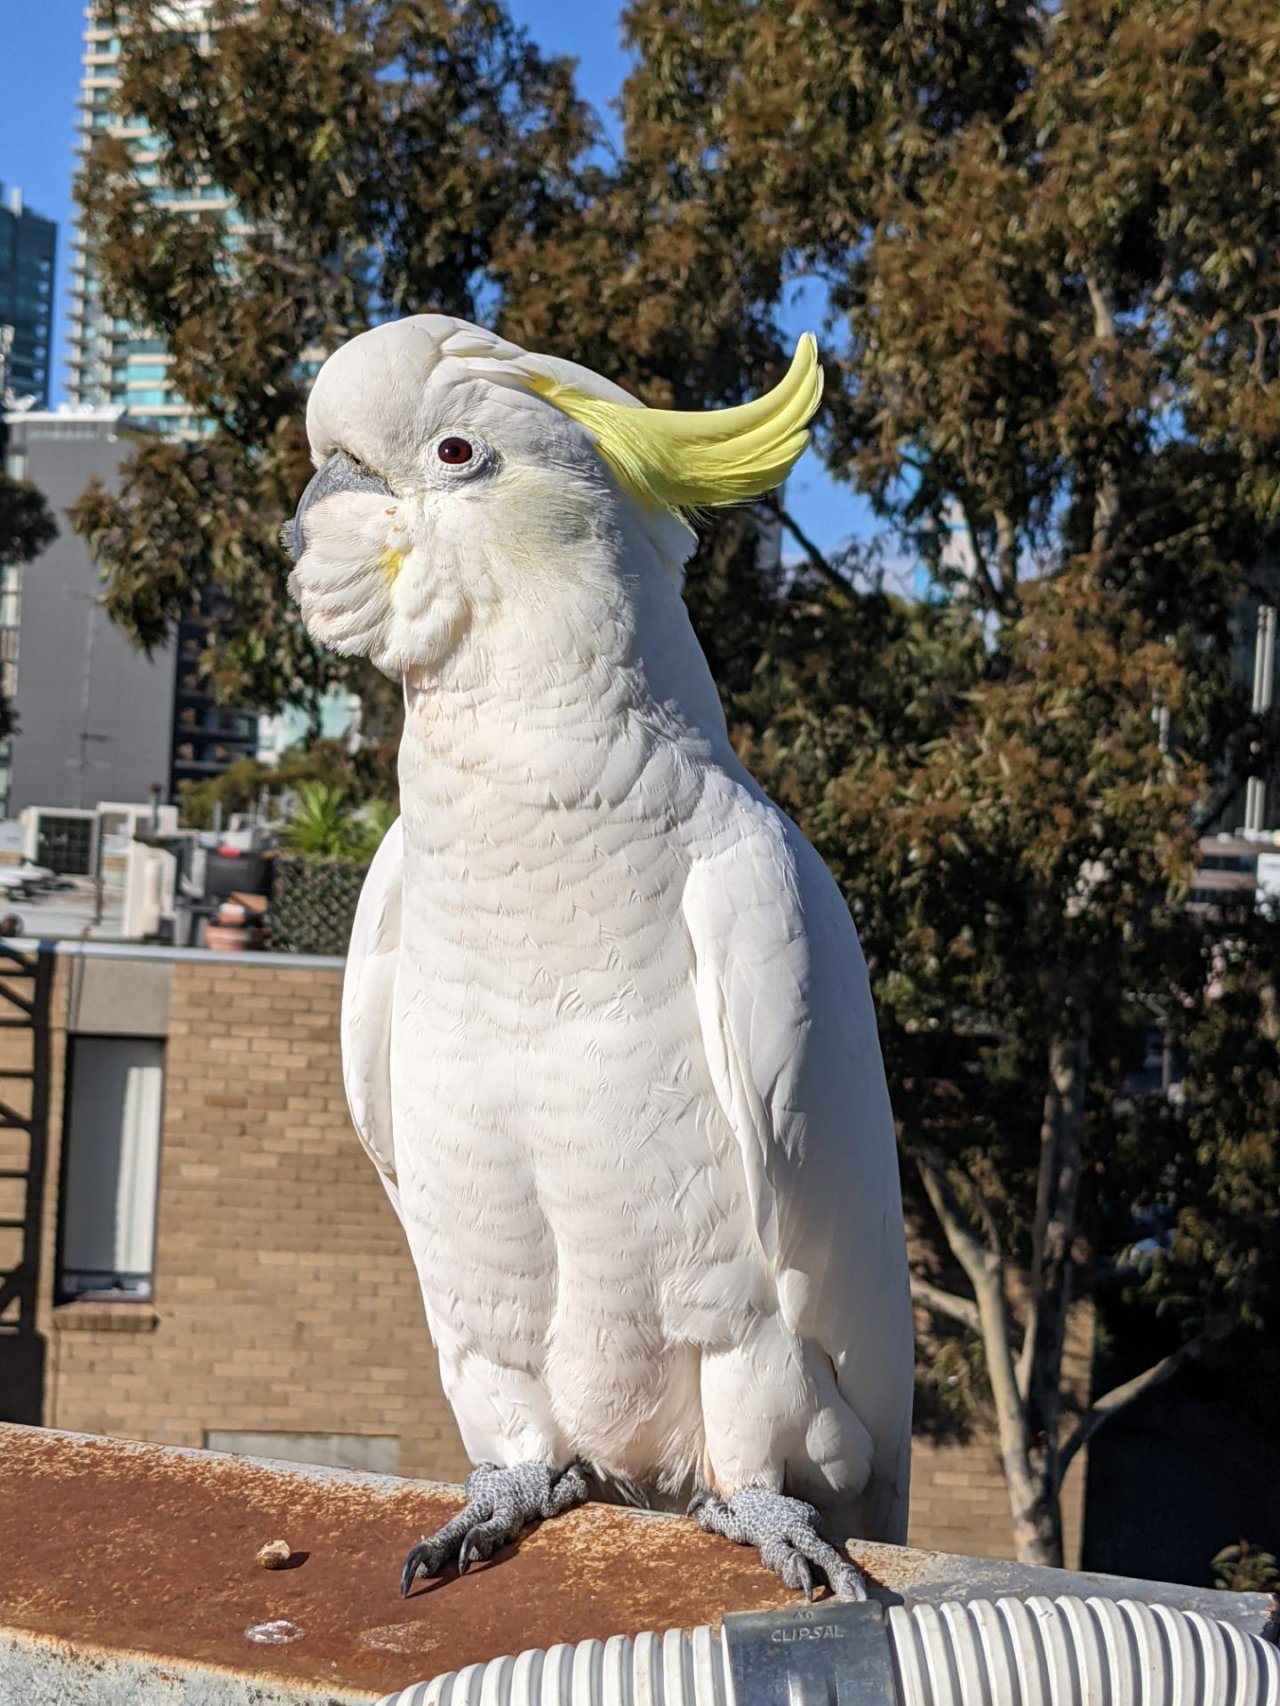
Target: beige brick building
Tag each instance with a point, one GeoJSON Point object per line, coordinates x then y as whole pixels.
{"type": "Point", "coordinates": [275, 1308]}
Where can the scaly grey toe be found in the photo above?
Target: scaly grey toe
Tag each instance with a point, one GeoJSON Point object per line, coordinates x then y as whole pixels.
{"type": "Point", "coordinates": [785, 1532]}
{"type": "Point", "coordinates": [501, 1503]}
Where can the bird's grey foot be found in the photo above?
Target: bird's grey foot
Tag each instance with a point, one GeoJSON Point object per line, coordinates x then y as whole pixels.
{"type": "Point", "coordinates": [785, 1531]}
{"type": "Point", "coordinates": [501, 1503]}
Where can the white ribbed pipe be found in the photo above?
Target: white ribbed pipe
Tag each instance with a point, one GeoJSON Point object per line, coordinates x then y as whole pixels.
{"type": "Point", "coordinates": [1076, 1652]}
{"type": "Point", "coordinates": [1004, 1652]}
{"type": "Point", "coordinates": [679, 1668]}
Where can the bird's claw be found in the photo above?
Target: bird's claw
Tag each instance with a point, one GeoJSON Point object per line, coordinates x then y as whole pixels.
{"type": "Point", "coordinates": [425, 1559]}
{"type": "Point", "coordinates": [785, 1532]}
{"type": "Point", "coordinates": [481, 1542]}
{"type": "Point", "coordinates": [501, 1503]}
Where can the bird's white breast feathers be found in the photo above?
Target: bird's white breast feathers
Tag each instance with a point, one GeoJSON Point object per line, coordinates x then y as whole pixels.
{"type": "Point", "coordinates": [639, 1132]}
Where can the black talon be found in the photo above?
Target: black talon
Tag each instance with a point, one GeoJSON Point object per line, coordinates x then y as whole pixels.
{"type": "Point", "coordinates": [410, 1572]}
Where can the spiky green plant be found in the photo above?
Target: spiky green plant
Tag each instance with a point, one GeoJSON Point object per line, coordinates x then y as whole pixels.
{"type": "Point", "coordinates": [323, 822]}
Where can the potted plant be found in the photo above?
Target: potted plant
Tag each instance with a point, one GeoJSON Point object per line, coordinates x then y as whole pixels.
{"type": "Point", "coordinates": [326, 845]}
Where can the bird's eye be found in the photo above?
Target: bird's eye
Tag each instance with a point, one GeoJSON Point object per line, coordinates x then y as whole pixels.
{"type": "Point", "coordinates": [454, 451]}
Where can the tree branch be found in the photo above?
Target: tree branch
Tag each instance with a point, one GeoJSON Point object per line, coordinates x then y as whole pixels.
{"type": "Point", "coordinates": [985, 1273]}
{"type": "Point", "coordinates": [985, 1215]}
{"type": "Point", "coordinates": [994, 592]}
{"type": "Point", "coordinates": [960, 1309]}
{"type": "Point", "coordinates": [1006, 552]}
{"type": "Point", "coordinates": [976, 1258]}
{"type": "Point", "coordinates": [1106, 502]}
{"type": "Point", "coordinates": [807, 545]}
{"type": "Point", "coordinates": [1054, 1226]}
{"type": "Point", "coordinates": [1104, 321]}
{"type": "Point", "coordinates": [1111, 1402]}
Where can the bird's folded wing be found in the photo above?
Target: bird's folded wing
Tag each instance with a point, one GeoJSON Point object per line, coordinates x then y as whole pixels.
{"type": "Point", "coordinates": [789, 1033]}
{"type": "Point", "coordinates": [367, 995]}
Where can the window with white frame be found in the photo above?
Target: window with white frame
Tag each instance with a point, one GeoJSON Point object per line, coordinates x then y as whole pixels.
{"type": "Point", "coordinates": [111, 1166]}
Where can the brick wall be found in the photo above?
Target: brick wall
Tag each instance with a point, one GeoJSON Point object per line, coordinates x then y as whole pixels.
{"type": "Point", "coordinates": [284, 1299]}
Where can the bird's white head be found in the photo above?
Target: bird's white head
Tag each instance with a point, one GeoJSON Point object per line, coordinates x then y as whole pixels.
{"type": "Point", "coordinates": [462, 482]}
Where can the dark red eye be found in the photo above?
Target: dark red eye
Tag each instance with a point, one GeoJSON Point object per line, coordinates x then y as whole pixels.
{"type": "Point", "coordinates": [454, 451]}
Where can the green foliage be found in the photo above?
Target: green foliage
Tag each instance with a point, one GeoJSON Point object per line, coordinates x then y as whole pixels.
{"type": "Point", "coordinates": [1243, 1568]}
{"type": "Point", "coordinates": [957, 1378]}
{"type": "Point", "coordinates": [325, 822]}
{"type": "Point", "coordinates": [321, 823]}
{"type": "Point", "coordinates": [1212, 1152]}
{"type": "Point", "coordinates": [367, 776]}
{"type": "Point", "coordinates": [26, 525]}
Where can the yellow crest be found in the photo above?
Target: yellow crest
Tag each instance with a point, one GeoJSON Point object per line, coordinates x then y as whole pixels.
{"type": "Point", "coordinates": [695, 459]}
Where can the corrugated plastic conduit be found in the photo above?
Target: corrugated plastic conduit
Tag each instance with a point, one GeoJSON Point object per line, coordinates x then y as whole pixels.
{"type": "Point", "coordinates": [1004, 1652]}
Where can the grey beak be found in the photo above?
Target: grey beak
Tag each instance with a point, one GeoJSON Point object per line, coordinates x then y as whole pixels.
{"type": "Point", "coordinates": [338, 474]}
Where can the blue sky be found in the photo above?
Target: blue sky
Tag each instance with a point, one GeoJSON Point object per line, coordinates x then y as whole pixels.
{"type": "Point", "coordinates": [41, 46]}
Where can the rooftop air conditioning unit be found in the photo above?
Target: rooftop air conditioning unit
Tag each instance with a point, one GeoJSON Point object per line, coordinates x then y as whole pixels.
{"type": "Point", "coordinates": [61, 838]}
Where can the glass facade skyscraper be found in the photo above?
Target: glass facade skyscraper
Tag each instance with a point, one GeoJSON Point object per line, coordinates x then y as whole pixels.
{"type": "Point", "coordinates": [113, 363]}
{"type": "Point", "coordinates": [116, 364]}
{"type": "Point", "coordinates": [28, 244]}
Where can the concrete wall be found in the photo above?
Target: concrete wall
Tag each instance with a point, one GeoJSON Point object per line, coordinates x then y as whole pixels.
{"type": "Point", "coordinates": [285, 1303]}
{"type": "Point", "coordinates": [95, 716]}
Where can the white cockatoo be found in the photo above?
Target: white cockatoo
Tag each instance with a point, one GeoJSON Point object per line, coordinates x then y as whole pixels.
{"type": "Point", "coordinates": [607, 1030]}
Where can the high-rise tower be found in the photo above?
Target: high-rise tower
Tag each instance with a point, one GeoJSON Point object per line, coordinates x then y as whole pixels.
{"type": "Point", "coordinates": [113, 363]}
{"type": "Point", "coordinates": [116, 364]}
{"type": "Point", "coordinates": [27, 246]}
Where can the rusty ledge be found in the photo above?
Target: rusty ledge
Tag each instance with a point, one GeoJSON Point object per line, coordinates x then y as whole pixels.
{"type": "Point", "coordinates": [140, 1549]}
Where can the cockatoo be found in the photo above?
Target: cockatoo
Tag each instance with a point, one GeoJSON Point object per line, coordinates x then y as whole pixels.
{"type": "Point", "coordinates": [607, 1030]}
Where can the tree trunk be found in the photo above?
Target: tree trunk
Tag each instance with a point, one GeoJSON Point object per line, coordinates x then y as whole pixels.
{"type": "Point", "coordinates": [1033, 1500]}
{"type": "Point", "coordinates": [1036, 1531]}
{"type": "Point", "coordinates": [1040, 1364]}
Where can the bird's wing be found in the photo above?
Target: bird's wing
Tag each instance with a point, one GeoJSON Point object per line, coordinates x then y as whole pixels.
{"type": "Point", "coordinates": [367, 991]}
{"type": "Point", "coordinates": [790, 1037]}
